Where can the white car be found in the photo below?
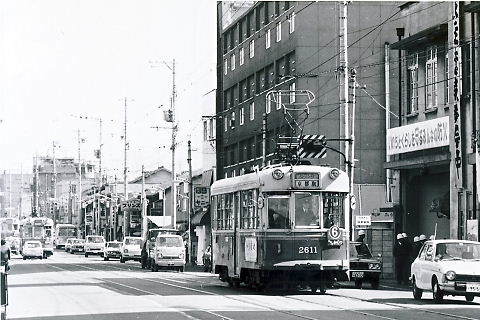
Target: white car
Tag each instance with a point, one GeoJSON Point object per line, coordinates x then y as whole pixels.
{"type": "Point", "coordinates": [94, 245]}
{"type": "Point", "coordinates": [68, 244]}
{"type": "Point", "coordinates": [32, 249]}
{"type": "Point", "coordinates": [447, 267]}
{"type": "Point", "coordinates": [131, 249]}
{"type": "Point", "coordinates": [169, 252]}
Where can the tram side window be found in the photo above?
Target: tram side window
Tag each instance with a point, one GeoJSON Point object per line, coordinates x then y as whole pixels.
{"type": "Point", "coordinates": [307, 210]}
{"type": "Point", "coordinates": [278, 213]}
{"type": "Point", "coordinates": [333, 209]}
{"type": "Point", "coordinates": [248, 213]}
{"type": "Point", "coordinates": [224, 214]}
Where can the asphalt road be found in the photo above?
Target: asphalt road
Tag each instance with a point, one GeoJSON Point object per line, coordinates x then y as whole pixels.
{"type": "Point", "coordinates": [67, 287]}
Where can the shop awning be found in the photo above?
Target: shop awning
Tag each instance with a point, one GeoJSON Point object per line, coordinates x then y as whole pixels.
{"type": "Point", "coordinates": [419, 162]}
{"type": "Point", "coordinates": [197, 217]}
{"type": "Point", "coordinates": [424, 36]}
{"type": "Point", "coordinates": [161, 221]}
{"type": "Point", "coordinates": [207, 178]}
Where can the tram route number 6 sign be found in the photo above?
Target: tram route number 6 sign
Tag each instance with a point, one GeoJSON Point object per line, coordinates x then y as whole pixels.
{"type": "Point", "coordinates": [334, 236]}
{"type": "Point", "coordinates": [251, 249]}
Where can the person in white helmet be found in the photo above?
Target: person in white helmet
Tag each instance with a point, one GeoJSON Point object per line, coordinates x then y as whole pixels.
{"type": "Point", "coordinates": [401, 254]}
{"type": "Point", "coordinates": [362, 249]}
{"type": "Point", "coordinates": [416, 247]}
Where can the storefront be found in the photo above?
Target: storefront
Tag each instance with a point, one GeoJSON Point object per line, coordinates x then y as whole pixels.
{"type": "Point", "coordinates": [421, 177]}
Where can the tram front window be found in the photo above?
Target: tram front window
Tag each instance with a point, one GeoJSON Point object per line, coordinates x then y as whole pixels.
{"type": "Point", "coordinates": [278, 213]}
{"type": "Point", "coordinates": [307, 211]}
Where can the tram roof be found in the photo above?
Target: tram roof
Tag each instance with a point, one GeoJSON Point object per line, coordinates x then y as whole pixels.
{"type": "Point", "coordinates": [264, 179]}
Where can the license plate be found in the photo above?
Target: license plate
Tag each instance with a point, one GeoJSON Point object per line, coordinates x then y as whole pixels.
{"type": "Point", "coordinates": [473, 287]}
{"type": "Point", "coordinates": [170, 263]}
{"type": "Point", "coordinates": [358, 274]}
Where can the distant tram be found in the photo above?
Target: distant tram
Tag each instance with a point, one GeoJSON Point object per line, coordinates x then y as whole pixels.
{"type": "Point", "coordinates": [38, 228]}
{"type": "Point", "coordinates": [285, 224]}
{"type": "Point", "coordinates": [63, 231]}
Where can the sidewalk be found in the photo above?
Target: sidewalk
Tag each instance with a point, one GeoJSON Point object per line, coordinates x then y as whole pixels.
{"type": "Point", "coordinates": [392, 284]}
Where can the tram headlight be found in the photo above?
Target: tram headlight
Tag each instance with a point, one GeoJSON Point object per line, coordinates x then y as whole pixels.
{"type": "Point", "coordinates": [334, 173]}
{"type": "Point", "coordinates": [277, 174]}
{"type": "Point", "coordinates": [450, 275]}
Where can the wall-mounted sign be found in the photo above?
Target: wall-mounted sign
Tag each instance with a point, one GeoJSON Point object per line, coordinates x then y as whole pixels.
{"type": "Point", "coordinates": [132, 204]}
{"type": "Point", "coordinates": [201, 196]}
{"type": "Point", "coordinates": [418, 136]}
{"type": "Point", "coordinates": [457, 85]}
{"type": "Point", "coordinates": [363, 221]}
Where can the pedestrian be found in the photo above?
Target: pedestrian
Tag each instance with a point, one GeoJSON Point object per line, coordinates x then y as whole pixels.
{"type": "Point", "coordinates": [407, 255]}
{"type": "Point", "coordinates": [361, 247]}
{"type": "Point", "coordinates": [399, 254]}
{"type": "Point", "coordinates": [4, 254]}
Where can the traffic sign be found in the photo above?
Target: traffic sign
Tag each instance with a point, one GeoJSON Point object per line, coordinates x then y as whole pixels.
{"type": "Point", "coordinates": [363, 221]}
{"type": "Point", "coordinates": [312, 146]}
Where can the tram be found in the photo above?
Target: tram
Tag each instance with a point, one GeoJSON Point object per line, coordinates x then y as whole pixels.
{"type": "Point", "coordinates": [37, 228]}
{"type": "Point", "coordinates": [283, 225]}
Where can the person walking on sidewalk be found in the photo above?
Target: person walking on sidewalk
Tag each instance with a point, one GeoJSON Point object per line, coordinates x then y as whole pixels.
{"type": "Point", "coordinates": [4, 254]}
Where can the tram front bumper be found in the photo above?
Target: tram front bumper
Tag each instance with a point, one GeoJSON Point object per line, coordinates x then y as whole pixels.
{"type": "Point", "coordinates": [312, 265]}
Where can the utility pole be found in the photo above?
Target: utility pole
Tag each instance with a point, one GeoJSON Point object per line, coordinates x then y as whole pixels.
{"type": "Point", "coordinates": [115, 212]}
{"type": "Point", "coordinates": [35, 201]}
{"type": "Point", "coordinates": [144, 211]}
{"type": "Point", "coordinates": [353, 101]}
{"type": "Point", "coordinates": [264, 139]}
{"type": "Point", "coordinates": [54, 185]}
{"type": "Point", "coordinates": [21, 194]}
{"type": "Point", "coordinates": [174, 135]}
{"type": "Point", "coordinates": [100, 180]}
{"type": "Point", "coordinates": [125, 182]}
{"type": "Point", "coordinates": [79, 191]}
{"type": "Point", "coordinates": [190, 200]}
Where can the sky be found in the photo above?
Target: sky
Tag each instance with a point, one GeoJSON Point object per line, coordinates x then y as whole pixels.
{"type": "Point", "coordinates": [65, 59]}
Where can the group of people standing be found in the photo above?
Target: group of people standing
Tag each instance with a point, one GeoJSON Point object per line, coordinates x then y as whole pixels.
{"type": "Point", "coordinates": [405, 251]}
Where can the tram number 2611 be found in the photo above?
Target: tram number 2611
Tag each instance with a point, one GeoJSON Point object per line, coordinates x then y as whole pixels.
{"type": "Point", "coordinates": [307, 250]}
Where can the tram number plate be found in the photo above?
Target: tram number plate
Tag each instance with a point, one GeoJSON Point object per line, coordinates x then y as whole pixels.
{"type": "Point", "coordinates": [473, 287]}
{"type": "Point", "coordinates": [358, 274]}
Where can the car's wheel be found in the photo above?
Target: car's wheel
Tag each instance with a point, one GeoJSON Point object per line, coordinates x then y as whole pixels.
{"type": "Point", "coordinates": [155, 267]}
{"type": "Point", "coordinates": [437, 292]}
{"type": "Point", "coordinates": [469, 297]}
{"type": "Point", "coordinates": [122, 260]}
{"type": "Point", "coordinates": [24, 258]}
{"type": "Point", "coordinates": [182, 269]}
{"type": "Point", "coordinates": [86, 255]}
{"type": "Point", "coordinates": [358, 283]}
{"type": "Point", "coordinates": [105, 258]}
{"type": "Point", "coordinates": [417, 293]}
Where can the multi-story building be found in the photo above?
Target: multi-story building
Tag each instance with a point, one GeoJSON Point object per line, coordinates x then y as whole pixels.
{"type": "Point", "coordinates": [431, 147]}
{"type": "Point", "coordinates": [285, 45]}
{"type": "Point", "coordinates": [15, 194]}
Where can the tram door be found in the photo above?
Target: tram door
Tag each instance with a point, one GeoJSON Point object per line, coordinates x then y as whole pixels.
{"type": "Point", "coordinates": [236, 234]}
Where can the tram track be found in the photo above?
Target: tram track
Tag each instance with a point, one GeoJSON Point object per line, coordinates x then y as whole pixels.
{"type": "Point", "coordinates": [263, 306]}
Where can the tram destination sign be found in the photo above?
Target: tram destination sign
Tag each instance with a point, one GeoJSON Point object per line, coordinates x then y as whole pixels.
{"type": "Point", "coordinates": [306, 180]}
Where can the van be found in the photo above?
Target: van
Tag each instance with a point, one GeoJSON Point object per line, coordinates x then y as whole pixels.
{"type": "Point", "coordinates": [169, 252]}
{"type": "Point", "coordinates": [94, 245]}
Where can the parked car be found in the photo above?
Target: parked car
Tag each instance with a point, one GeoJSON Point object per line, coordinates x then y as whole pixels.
{"type": "Point", "coordinates": [364, 267]}
{"type": "Point", "coordinates": [447, 267]}
{"type": "Point", "coordinates": [169, 252]}
{"type": "Point", "coordinates": [78, 245]}
{"type": "Point", "coordinates": [207, 259]}
{"type": "Point", "coordinates": [94, 245]}
{"type": "Point", "coordinates": [131, 249]}
{"type": "Point", "coordinates": [112, 250]}
{"type": "Point", "coordinates": [32, 249]}
{"type": "Point", "coordinates": [68, 244]}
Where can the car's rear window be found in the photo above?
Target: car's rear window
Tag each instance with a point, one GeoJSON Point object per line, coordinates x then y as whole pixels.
{"type": "Point", "coordinates": [113, 245]}
{"type": "Point", "coordinates": [170, 241]}
{"type": "Point", "coordinates": [33, 245]}
{"type": "Point", "coordinates": [137, 242]}
{"type": "Point", "coordinates": [95, 239]}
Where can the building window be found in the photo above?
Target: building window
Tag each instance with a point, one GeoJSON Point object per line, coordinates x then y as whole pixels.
{"type": "Point", "coordinates": [291, 23]}
{"type": "Point", "coordinates": [242, 116]}
{"type": "Point", "coordinates": [241, 54]}
{"type": "Point", "coordinates": [205, 130]}
{"type": "Point", "coordinates": [251, 52]}
{"type": "Point", "coordinates": [267, 39]}
{"type": "Point", "coordinates": [268, 106]}
{"type": "Point", "coordinates": [252, 110]}
{"type": "Point", "coordinates": [232, 120]}
{"type": "Point", "coordinates": [232, 61]}
{"type": "Point", "coordinates": [211, 134]}
{"type": "Point", "coordinates": [413, 83]}
{"type": "Point", "coordinates": [292, 92]}
{"type": "Point", "coordinates": [279, 31]}
{"type": "Point", "coordinates": [431, 78]}
{"type": "Point", "coordinates": [225, 123]}
{"type": "Point", "coordinates": [225, 66]}
{"type": "Point", "coordinates": [277, 8]}
{"type": "Point", "coordinates": [446, 89]}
